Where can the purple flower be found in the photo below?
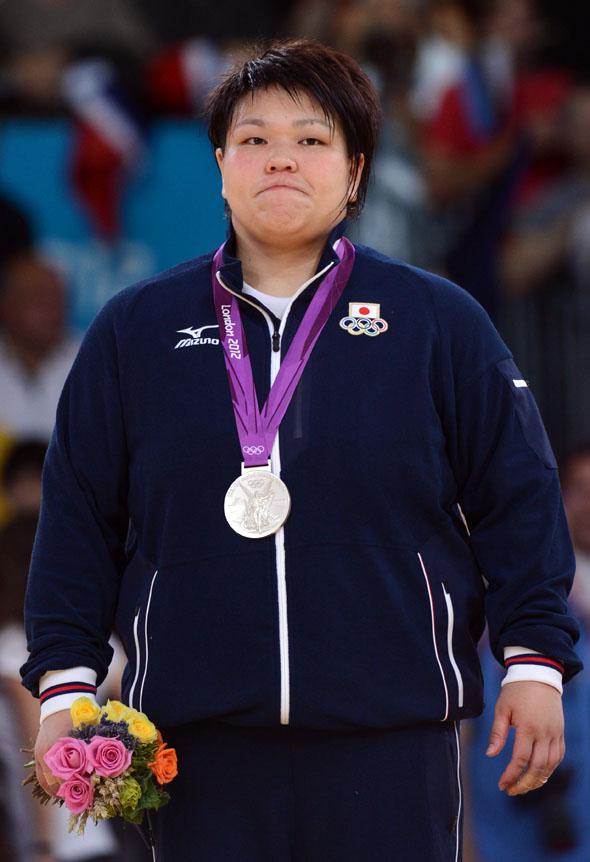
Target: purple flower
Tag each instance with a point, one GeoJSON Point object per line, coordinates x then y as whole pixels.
{"type": "Point", "coordinates": [67, 757]}
{"type": "Point", "coordinates": [107, 756]}
{"type": "Point", "coordinates": [77, 793]}
{"type": "Point", "coordinates": [116, 729]}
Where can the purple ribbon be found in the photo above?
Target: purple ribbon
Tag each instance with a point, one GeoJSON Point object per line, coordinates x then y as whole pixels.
{"type": "Point", "coordinates": [257, 429]}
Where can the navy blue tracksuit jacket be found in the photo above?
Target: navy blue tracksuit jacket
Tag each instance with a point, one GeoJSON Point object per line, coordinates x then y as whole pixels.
{"type": "Point", "coordinates": [366, 608]}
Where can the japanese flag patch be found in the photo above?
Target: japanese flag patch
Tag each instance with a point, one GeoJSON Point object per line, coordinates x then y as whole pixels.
{"type": "Point", "coordinates": [364, 318]}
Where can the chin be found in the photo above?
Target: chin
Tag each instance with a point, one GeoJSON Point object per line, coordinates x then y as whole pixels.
{"type": "Point", "coordinates": [281, 224]}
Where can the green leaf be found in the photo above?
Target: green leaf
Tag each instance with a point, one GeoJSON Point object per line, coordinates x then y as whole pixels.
{"type": "Point", "coordinates": [149, 796]}
{"type": "Point", "coordinates": [135, 816]}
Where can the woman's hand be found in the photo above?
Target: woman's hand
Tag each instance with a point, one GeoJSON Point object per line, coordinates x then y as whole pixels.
{"type": "Point", "coordinates": [535, 710]}
{"type": "Point", "coordinates": [52, 728]}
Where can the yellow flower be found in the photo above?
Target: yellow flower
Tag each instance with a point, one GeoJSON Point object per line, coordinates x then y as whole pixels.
{"type": "Point", "coordinates": [84, 711]}
{"type": "Point", "coordinates": [141, 727]}
{"type": "Point", "coordinates": [114, 710]}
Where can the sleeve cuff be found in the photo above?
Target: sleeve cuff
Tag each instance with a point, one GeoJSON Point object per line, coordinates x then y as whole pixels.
{"type": "Point", "coordinates": [524, 664]}
{"type": "Point", "coordinates": [58, 689]}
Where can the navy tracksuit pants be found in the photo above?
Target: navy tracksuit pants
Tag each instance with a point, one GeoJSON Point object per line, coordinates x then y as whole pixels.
{"type": "Point", "coordinates": [282, 794]}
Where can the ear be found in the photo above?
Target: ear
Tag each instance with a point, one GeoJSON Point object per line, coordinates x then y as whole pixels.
{"type": "Point", "coordinates": [356, 170]}
{"type": "Point", "coordinates": [219, 160]}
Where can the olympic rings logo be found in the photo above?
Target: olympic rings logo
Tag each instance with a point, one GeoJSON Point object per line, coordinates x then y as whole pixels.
{"type": "Point", "coordinates": [368, 325]}
{"type": "Point", "coordinates": [252, 450]}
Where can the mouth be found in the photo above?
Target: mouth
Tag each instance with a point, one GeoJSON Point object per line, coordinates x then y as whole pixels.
{"type": "Point", "coordinates": [282, 186]}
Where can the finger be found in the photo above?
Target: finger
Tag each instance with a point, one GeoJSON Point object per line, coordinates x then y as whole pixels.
{"type": "Point", "coordinates": [45, 776]}
{"type": "Point", "coordinates": [538, 771]}
{"type": "Point", "coordinates": [498, 734]}
{"type": "Point", "coordinates": [43, 781]}
{"type": "Point", "coordinates": [555, 753]}
{"type": "Point", "coordinates": [46, 779]}
{"type": "Point", "coordinates": [521, 755]}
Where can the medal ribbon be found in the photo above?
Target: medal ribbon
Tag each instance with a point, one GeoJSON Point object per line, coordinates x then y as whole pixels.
{"type": "Point", "coordinates": [257, 429]}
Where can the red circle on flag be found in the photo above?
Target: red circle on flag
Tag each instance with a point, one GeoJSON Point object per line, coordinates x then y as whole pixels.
{"type": "Point", "coordinates": [364, 310]}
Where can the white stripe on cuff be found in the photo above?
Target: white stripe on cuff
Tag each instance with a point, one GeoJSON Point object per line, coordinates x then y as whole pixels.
{"type": "Point", "coordinates": [534, 673]}
{"type": "Point", "coordinates": [62, 701]}
{"type": "Point", "coordinates": [63, 677]}
{"type": "Point", "coordinates": [511, 651]}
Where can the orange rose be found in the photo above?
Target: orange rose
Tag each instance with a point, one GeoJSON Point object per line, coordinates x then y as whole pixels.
{"type": "Point", "coordinates": [164, 767]}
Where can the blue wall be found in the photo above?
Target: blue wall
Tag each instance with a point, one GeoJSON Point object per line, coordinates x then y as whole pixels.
{"type": "Point", "coordinates": [172, 208]}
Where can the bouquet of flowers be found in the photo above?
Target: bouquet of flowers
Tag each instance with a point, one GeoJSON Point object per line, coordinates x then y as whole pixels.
{"type": "Point", "coordinates": [114, 763]}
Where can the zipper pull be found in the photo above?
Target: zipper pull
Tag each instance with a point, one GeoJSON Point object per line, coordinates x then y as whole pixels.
{"type": "Point", "coordinates": [276, 340]}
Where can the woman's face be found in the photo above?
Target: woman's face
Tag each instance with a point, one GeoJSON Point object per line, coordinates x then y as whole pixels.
{"type": "Point", "coordinates": [286, 173]}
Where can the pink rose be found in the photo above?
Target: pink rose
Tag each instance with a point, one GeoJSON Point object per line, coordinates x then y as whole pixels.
{"type": "Point", "coordinates": [67, 757]}
{"type": "Point", "coordinates": [108, 756]}
{"type": "Point", "coordinates": [78, 793]}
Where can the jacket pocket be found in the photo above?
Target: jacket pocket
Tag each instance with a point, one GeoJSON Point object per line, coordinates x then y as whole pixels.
{"type": "Point", "coordinates": [362, 646]}
{"type": "Point", "coordinates": [445, 657]}
{"type": "Point", "coordinates": [458, 617]}
{"type": "Point", "coordinates": [135, 594]}
{"type": "Point", "coordinates": [450, 650]}
{"type": "Point", "coordinates": [141, 648]}
{"type": "Point", "coordinates": [434, 627]}
{"type": "Point", "coordinates": [205, 638]}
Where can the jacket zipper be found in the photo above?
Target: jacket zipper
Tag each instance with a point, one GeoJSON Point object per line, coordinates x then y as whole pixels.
{"type": "Point", "coordinates": [138, 647]}
{"type": "Point", "coordinates": [432, 620]}
{"type": "Point", "coordinates": [275, 466]}
{"type": "Point", "coordinates": [276, 335]}
{"type": "Point", "coordinates": [450, 627]}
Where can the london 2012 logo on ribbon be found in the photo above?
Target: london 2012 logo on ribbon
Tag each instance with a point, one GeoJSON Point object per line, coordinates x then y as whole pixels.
{"type": "Point", "coordinates": [364, 318]}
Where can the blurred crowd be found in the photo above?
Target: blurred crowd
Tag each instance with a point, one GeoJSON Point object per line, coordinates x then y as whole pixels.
{"type": "Point", "coordinates": [483, 175]}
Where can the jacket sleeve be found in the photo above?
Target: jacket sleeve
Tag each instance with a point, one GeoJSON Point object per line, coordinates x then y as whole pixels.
{"type": "Point", "coordinates": [508, 489]}
{"type": "Point", "coordinates": [79, 548]}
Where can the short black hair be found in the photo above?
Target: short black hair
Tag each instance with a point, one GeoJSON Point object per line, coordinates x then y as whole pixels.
{"type": "Point", "coordinates": [334, 80]}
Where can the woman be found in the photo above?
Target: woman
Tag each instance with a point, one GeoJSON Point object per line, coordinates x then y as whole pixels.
{"type": "Point", "coordinates": [300, 609]}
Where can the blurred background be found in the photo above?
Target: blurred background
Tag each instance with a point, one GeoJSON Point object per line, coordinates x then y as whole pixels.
{"type": "Point", "coordinates": [107, 177]}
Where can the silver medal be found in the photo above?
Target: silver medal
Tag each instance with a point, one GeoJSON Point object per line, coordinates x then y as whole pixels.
{"type": "Point", "coordinates": [257, 503]}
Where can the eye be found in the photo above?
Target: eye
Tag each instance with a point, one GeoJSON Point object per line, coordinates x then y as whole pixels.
{"type": "Point", "coordinates": [311, 142]}
{"type": "Point", "coordinates": [254, 141]}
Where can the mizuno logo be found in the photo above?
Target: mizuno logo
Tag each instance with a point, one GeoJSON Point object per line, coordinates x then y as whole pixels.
{"type": "Point", "coordinates": [196, 333]}
{"type": "Point", "coordinates": [195, 336]}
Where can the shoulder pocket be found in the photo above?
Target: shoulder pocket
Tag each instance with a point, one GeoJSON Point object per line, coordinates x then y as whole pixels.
{"type": "Point", "coordinates": [527, 412]}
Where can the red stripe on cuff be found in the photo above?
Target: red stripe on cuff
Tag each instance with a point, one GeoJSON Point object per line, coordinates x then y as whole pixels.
{"type": "Point", "coordinates": [55, 690]}
{"type": "Point", "coordinates": [534, 659]}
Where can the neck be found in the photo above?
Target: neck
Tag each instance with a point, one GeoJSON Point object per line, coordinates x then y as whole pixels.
{"type": "Point", "coordinates": [278, 271]}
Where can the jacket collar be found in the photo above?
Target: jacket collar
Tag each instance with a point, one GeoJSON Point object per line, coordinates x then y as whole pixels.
{"type": "Point", "coordinates": [231, 268]}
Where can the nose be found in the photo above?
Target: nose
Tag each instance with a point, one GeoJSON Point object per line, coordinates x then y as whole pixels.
{"type": "Point", "coordinates": [280, 161]}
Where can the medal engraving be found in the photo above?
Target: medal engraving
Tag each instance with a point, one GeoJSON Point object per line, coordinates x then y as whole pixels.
{"type": "Point", "coordinates": [257, 503]}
